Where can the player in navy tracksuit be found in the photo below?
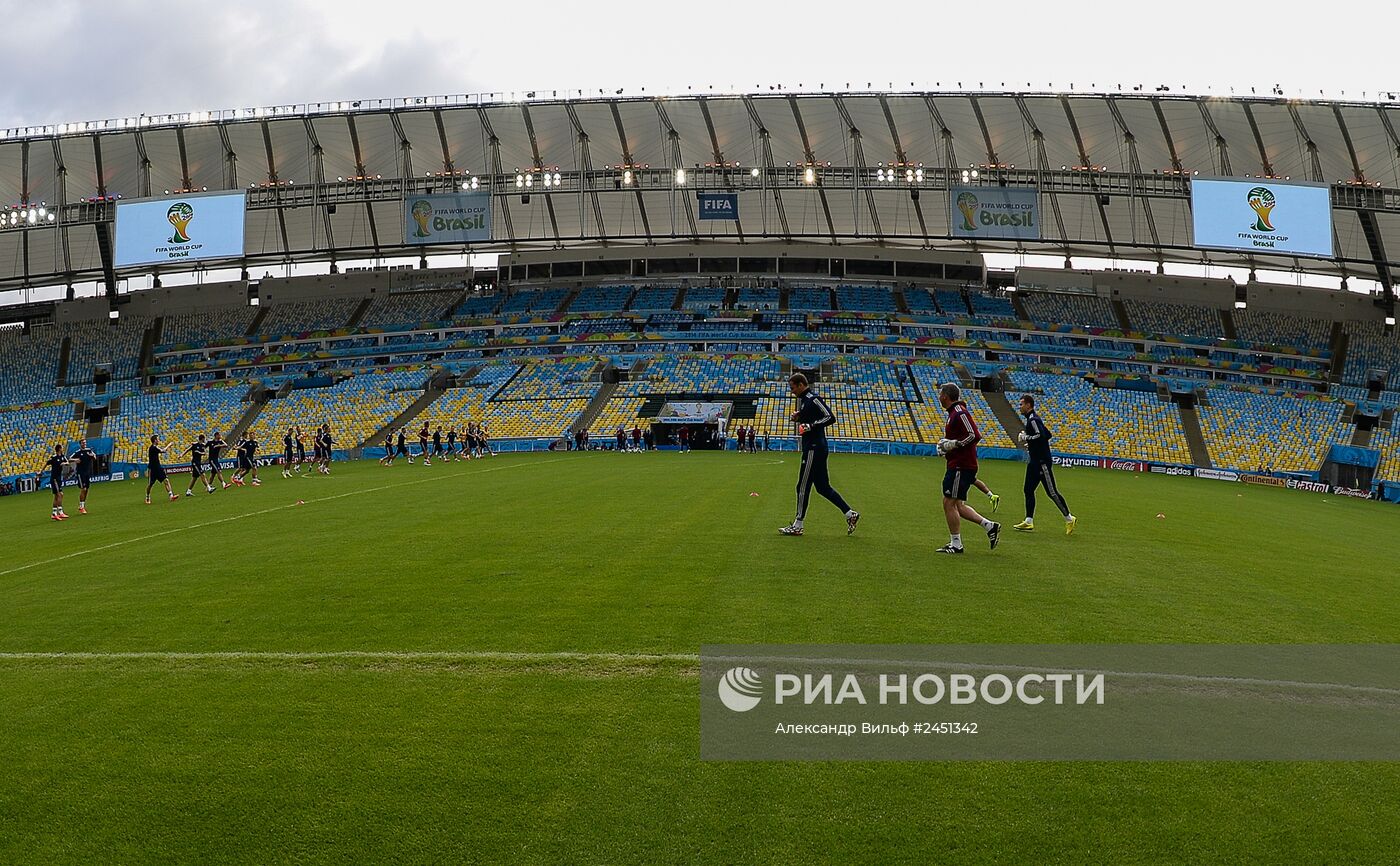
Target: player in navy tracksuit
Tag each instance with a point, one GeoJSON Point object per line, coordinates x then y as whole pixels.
{"type": "Point", "coordinates": [813, 416]}
{"type": "Point", "coordinates": [1040, 470]}
{"type": "Point", "coordinates": [155, 472]}
{"type": "Point", "coordinates": [85, 460]}
{"type": "Point", "coordinates": [55, 465]}
{"type": "Point", "coordinates": [288, 448]}
{"type": "Point", "coordinates": [959, 445]}
{"type": "Point", "coordinates": [198, 448]}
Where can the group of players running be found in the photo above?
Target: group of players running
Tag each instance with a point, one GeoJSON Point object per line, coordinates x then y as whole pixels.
{"type": "Point", "coordinates": [959, 446]}
{"type": "Point", "coordinates": [812, 417]}
{"type": "Point", "coordinates": [205, 459]}
{"type": "Point", "coordinates": [472, 443]}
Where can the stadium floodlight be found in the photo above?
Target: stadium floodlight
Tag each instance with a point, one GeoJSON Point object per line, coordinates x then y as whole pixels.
{"type": "Point", "coordinates": [475, 182]}
{"type": "Point", "coordinates": [51, 217]}
{"type": "Point", "coordinates": [918, 175]}
{"type": "Point", "coordinates": [810, 175]}
{"type": "Point", "coordinates": [1240, 305]}
{"type": "Point", "coordinates": [1390, 321]}
{"type": "Point", "coordinates": [519, 180]}
{"type": "Point", "coordinates": [548, 181]}
{"type": "Point", "coordinates": [529, 180]}
{"type": "Point", "coordinates": [753, 172]}
{"type": "Point", "coordinates": [556, 178]}
{"type": "Point", "coordinates": [909, 175]}
{"type": "Point", "coordinates": [627, 177]}
{"type": "Point", "coordinates": [880, 175]}
{"type": "Point", "coordinates": [43, 212]}
{"type": "Point", "coordinates": [680, 177]}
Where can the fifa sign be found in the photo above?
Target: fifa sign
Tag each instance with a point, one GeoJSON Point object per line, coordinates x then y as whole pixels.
{"type": "Point", "coordinates": [993, 212]}
{"type": "Point", "coordinates": [718, 205]}
{"type": "Point", "coordinates": [455, 218]}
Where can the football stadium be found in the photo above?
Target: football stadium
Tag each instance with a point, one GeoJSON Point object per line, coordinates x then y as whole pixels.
{"type": "Point", "coordinates": [508, 394]}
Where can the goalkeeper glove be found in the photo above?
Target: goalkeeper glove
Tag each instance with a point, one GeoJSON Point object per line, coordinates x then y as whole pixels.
{"type": "Point", "coordinates": [1022, 437]}
{"type": "Point", "coordinates": [946, 445]}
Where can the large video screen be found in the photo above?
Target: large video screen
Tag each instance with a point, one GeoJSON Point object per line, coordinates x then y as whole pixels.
{"type": "Point", "coordinates": [1262, 216]}
{"type": "Point", "coordinates": [180, 229]}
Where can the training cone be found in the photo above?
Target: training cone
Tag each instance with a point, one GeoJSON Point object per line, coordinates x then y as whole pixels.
{"type": "Point", "coordinates": [753, 494]}
{"type": "Point", "coordinates": [303, 502]}
{"type": "Point", "coordinates": [1161, 516]}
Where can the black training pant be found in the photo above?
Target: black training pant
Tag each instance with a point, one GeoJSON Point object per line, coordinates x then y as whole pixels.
{"type": "Point", "coordinates": [813, 474]}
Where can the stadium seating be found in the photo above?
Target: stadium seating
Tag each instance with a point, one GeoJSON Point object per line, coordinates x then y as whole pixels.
{"type": "Point", "coordinates": [1251, 432]}
{"type": "Point", "coordinates": [1175, 319]}
{"type": "Point", "coordinates": [116, 346]}
{"type": "Point", "coordinates": [532, 419]}
{"type": "Point", "coordinates": [597, 299]}
{"type": "Point", "coordinates": [987, 306]}
{"type": "Point", "coordinates": [296, 317]}
{"type": "Point", "coordinates": [807, 299]}
{"type": "Point", "coordinates": [176, 416]}
{"type": "Point", "coordinates": [707, 374]}
{"type": "Point", "coordinates": [27, 436]}
{"type": "Point", "coordinates": [1387, 441]}
{"type": "Point", "coordinates": [920, 301]}
{"type": "Point", "coordinates": [950, 302]}
{"type": "Point", "coordinates": [621, 410]}
{"type": "Point", "coordinates": [655, 298]}
{"type": "Point", "coordinates": [206, 326]}
{"type": "Point", "coordinates": [1281, 329]}
{"type": "Point", "coordinates": [553, 379]}
{"type": "Point", "coordinates": [541, 301]}
{"type": "Point", "coordinates": [756, 298]}
{"type": "Point", "coordinates": [1369, 347]}
{"type": "Point", "coordinates": [355, 407]}
{"type": "Point", "coordinates": [873, 299]}
{"type": "Point", "coordinates": [30, 365]}
{"type": "Point", "coordinates": [703, 298]}
{"type": "Point", "coordinates": [1105, 422]}
{"type": "Point", "coordinates": [405, 310]}
{"type": "Point", "coordinates": [477, 306]}
{"type": "Point", "coordinates": [1054, 308]}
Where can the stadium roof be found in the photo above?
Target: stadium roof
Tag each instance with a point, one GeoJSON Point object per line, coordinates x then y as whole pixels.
{"type": "Point", "coordinates": [328, 180]}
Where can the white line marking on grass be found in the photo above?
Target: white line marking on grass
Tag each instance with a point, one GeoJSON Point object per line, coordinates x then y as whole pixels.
{"type": "Point", "coordinates": [690, 658]}
{"type": "Point", "coordinates": [275, 508]}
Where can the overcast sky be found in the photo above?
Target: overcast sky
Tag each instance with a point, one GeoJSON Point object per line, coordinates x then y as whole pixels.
{"type": "Point", "coordinates": [70, 60]}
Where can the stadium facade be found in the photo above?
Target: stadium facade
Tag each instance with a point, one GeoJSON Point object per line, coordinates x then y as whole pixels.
{"type": "Point", "coordinates": [1112, 173]}
{"type": "Point", "coordinates": [699, 249]}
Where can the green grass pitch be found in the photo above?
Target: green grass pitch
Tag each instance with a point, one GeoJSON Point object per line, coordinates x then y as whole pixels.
{"type": "Point", "coordinates": [455, 735]}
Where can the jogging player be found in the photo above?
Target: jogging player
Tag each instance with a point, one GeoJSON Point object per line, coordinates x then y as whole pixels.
{"type": "Point", "coordinates": [197, 451]}
{"type": "Point", "coordinates": [55, 465]}
{"type": "Point", "coordinates": [156, 472]}
{"type": "Point", "coordinates": [247, 460]}
{"type": "Point", "coordinates": [327, 443]}
{"type": "Point", "coordinates": [813, 416]}
{"type": "Point", "coordinates": [85, 461]}
{"type": "Point", "coordinates": [1040, 470]}
{"type": "Point", "coordinates": [216, 469]}
{"type": "Point", "coordinates": [288, 444]}
{"type": "Point", "coordinates": [959, 445]}
{"type": "Point", "coordinates": [301, 449]}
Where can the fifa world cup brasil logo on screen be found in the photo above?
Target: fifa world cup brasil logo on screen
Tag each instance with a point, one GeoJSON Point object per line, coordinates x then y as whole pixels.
{"type": "Point", "coordinates": [422, 211]}
{"type": "Point", "coordinates": [1261, 199]}
{"type": "Point", "coordinates": [180, 216]}
{"type": "Point", "coordinates": [967, 203]}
